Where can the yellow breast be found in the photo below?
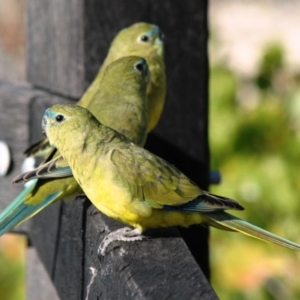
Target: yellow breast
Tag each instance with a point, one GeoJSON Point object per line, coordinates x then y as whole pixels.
{"type": "Point", "coordinates": [115, 200]}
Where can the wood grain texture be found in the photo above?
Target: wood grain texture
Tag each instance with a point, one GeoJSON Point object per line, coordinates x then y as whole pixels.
{"type": "Point", "coordinates": [38, 282]}
{"type": "Point", "coordinates": [69, 265]}
{"type": "Point", "coordinates": [55, 57]}
{"type": "Point", "coordinates": [158, 268]}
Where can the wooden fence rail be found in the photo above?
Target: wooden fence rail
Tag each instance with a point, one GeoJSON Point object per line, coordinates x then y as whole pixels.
{"type": "Point", "coordinates": [66, 43]}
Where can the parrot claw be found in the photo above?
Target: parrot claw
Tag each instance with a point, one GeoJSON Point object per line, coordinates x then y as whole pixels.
{"type": "Point", "coordinates": [123, 234]}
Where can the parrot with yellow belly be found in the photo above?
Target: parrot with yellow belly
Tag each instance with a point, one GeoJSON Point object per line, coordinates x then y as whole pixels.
{"type": "Point", "coordinates": [122, 104]}
{"type": "Point", "coordinates": [121, 100]}
{"type": "Point", "coordinates": [132, 185]}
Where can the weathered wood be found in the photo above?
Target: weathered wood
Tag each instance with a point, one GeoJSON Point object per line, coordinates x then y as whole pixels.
{"type": "Point", "coordinates": [55, 57]}
{"type": "Point", "coordinates": [44, 233]}
{"type": "Point", "coordinates": [69, 264]}
{"type": "Point", "coordinates": [38, 282]}
{"type": "Point", "coordinates": [14, 130]}
{"type": "Point", "coordinates": [14, 114]}
{"type": "Point", "coordinates": [158, 268]}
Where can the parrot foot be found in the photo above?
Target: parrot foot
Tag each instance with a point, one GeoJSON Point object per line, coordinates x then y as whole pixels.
{"type": "Point", "coordinates": [123, 234]}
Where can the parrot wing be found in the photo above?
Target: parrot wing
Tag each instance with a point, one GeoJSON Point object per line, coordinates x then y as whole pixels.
{"type": "Point", "coordinates": [41, 148]}
{"type": "Point", "coordinates": [55, 168]}
{"type": "Point", "coordinates": [162, 185]}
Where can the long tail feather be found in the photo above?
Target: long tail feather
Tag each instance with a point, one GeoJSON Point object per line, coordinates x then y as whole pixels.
{"type": "Point", "coordinates": [18, 211]}
{"type": "Point", "coordinates": [228, 222]}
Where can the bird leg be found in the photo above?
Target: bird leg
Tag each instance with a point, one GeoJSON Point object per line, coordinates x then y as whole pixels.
{"type": "Point", "coordinates": [123, 234]}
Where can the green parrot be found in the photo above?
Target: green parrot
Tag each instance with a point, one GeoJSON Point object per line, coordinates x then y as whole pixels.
{"type": "Point", "coordinates": [145, 40]}
{"type": "Point", "coordinates": [134, 186]}
{"type": "Point", "coordinates": [140, 39]}
{"type": "Point", "coordinates": [121, 103]}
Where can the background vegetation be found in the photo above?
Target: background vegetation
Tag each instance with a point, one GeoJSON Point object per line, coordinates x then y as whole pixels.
{"type": "Point", "coordinates": [255, 143]}
{"type": "Point", "coordinates": [12, 267]}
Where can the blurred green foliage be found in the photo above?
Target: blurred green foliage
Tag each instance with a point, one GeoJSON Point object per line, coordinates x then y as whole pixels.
{"type": "Point", "coordinates": [255, 143]}
{"type": "Point", "coordinates": [271, 62]}
{"type": "Point", "coordinates": [12, 267]}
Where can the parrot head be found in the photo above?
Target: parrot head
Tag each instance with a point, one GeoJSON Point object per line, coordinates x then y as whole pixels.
{"type": "Point", "coordinates": [141, 66]}
{"type": "Point", "coordinates": [152, 34]}
{"type": "Point", "coordinates": [138, 38]}
{"type": "Point", "coordinates": [52, 118]}
{"type": "Point", "coordinates": [127, 72]}
{"type": "Point", "coordinates": [60, 120]}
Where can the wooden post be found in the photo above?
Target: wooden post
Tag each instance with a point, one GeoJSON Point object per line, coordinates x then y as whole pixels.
{"type": "Point", "coordinates": [66, 43]}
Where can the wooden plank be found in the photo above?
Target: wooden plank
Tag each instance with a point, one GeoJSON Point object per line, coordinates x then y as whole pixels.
{"type": "Point", "coordinates": [38, 282]}
{"type": "Point", "coordinates": [55, 58]}
{"type": "Point", "coordinates": [159, 268]}
{"type": "Point", "coordinates": [44, 233]}
{"type": "Point", "coordinates": [69, 257]}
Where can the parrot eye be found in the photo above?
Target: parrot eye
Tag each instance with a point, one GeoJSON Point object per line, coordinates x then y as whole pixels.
{"type": "Point", "coordinates": [139, 67]}
{"type": "Point", "coordinates": [59, 118]}
{"type": "Point", "coordinates": [144, 38]}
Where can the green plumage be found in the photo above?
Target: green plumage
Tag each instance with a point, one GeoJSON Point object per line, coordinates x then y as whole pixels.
{"type": "Point", "coordinates": [129, 77]}
{"type": "Point", "coordinates": [132, 185]}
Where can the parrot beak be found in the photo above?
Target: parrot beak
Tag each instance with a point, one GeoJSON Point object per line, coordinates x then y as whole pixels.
{"type": "Point", "coordinates": [161, 36]}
